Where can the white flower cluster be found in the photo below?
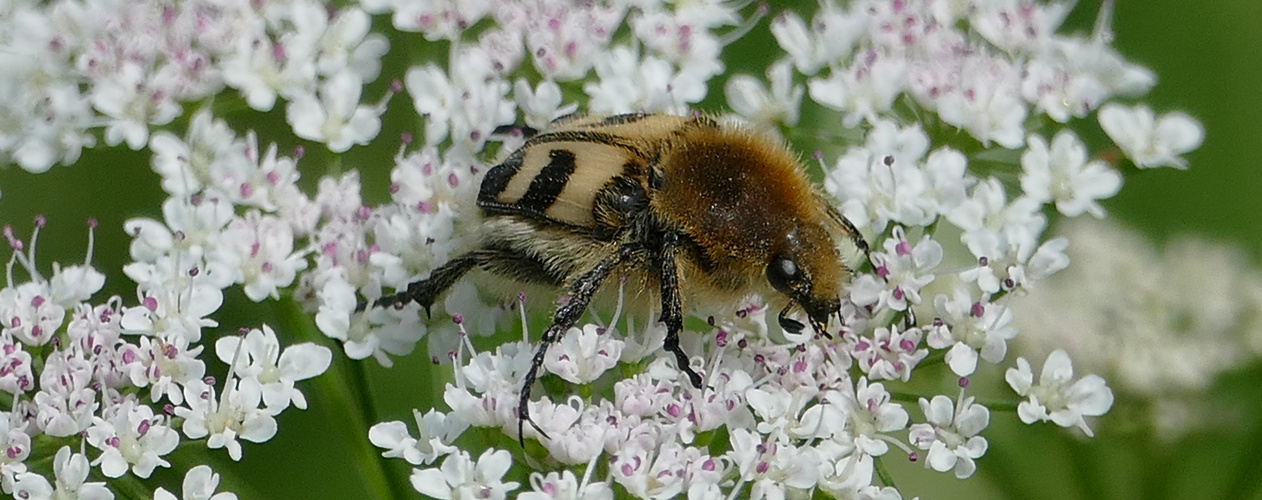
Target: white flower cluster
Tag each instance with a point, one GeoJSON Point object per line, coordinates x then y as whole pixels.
{"type": "Point", "coordinates": [72, 66]}
{"type": "Point", "coordinates": [957, 226]}
{"type": "Point", "coordinates": [121, 378]}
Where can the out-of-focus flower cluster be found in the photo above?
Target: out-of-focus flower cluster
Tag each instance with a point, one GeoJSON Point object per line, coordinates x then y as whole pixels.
{"type": "Point", "coordinates": [957, 227]}
{"type": "Point", "coordinates": [1160, 324]}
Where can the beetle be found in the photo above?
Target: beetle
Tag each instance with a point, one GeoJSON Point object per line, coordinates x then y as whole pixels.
{"type": "Point", "coordinates": [687, 205]}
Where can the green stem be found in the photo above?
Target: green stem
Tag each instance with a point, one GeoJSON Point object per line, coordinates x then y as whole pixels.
{"type": "Point", "coordinates": [882, 472]}
{"type": "Point", "coordinates": [339, 388]}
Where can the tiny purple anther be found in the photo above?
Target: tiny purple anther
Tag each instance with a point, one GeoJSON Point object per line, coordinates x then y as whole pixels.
{"type": "Point", "coordinates": [978, 310]}
{"type": "Point", "coordinates": [903, 248]}
{"type": "Point", "coordinates": [907, 345]}
{"type": "Point", "coordinates": [913, 456]}
{"type": "Point", "coordinates": [963, 382]}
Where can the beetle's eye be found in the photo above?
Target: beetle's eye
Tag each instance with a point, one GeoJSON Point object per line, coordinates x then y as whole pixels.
{"type": "Point", "coordinates": [783, 273]}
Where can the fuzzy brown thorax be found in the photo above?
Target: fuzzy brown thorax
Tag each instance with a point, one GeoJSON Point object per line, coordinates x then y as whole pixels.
{"type": "Point", "coordinates": [744, 199]}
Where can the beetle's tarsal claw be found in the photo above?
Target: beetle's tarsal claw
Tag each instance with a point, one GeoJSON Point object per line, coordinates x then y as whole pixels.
{"type": "Point", "coordinates": [789, 324]}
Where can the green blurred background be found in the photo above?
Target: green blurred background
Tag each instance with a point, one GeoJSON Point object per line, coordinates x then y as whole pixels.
{"type": "Point", "coordinates": [1208, 58]}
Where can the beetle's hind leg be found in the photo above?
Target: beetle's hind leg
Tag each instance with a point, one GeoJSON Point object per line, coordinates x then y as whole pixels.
{"type": "Point", "coordinates": [426, 291]}
{"type": "Point", "coordinates": [501, 261]}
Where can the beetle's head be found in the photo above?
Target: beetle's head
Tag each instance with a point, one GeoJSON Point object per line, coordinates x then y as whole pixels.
{"type": "Point", "coordinates": [807, 268]}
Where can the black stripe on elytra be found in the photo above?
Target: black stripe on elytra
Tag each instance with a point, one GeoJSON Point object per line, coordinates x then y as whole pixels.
{"type": "Point", "coordinates": [497, 178]}
{"type": "Point", "coordinates": [624, 118]}
{"type": "Point", "coordinates": [546, 186]}
{"type": "Point", "coordinates": [583, 136]}
{"type": "Point", "coordinates": [560, 120]}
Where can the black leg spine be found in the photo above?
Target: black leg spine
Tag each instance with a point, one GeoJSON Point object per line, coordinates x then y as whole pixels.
{"type": "Point", "coordinates": [672, 313]}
